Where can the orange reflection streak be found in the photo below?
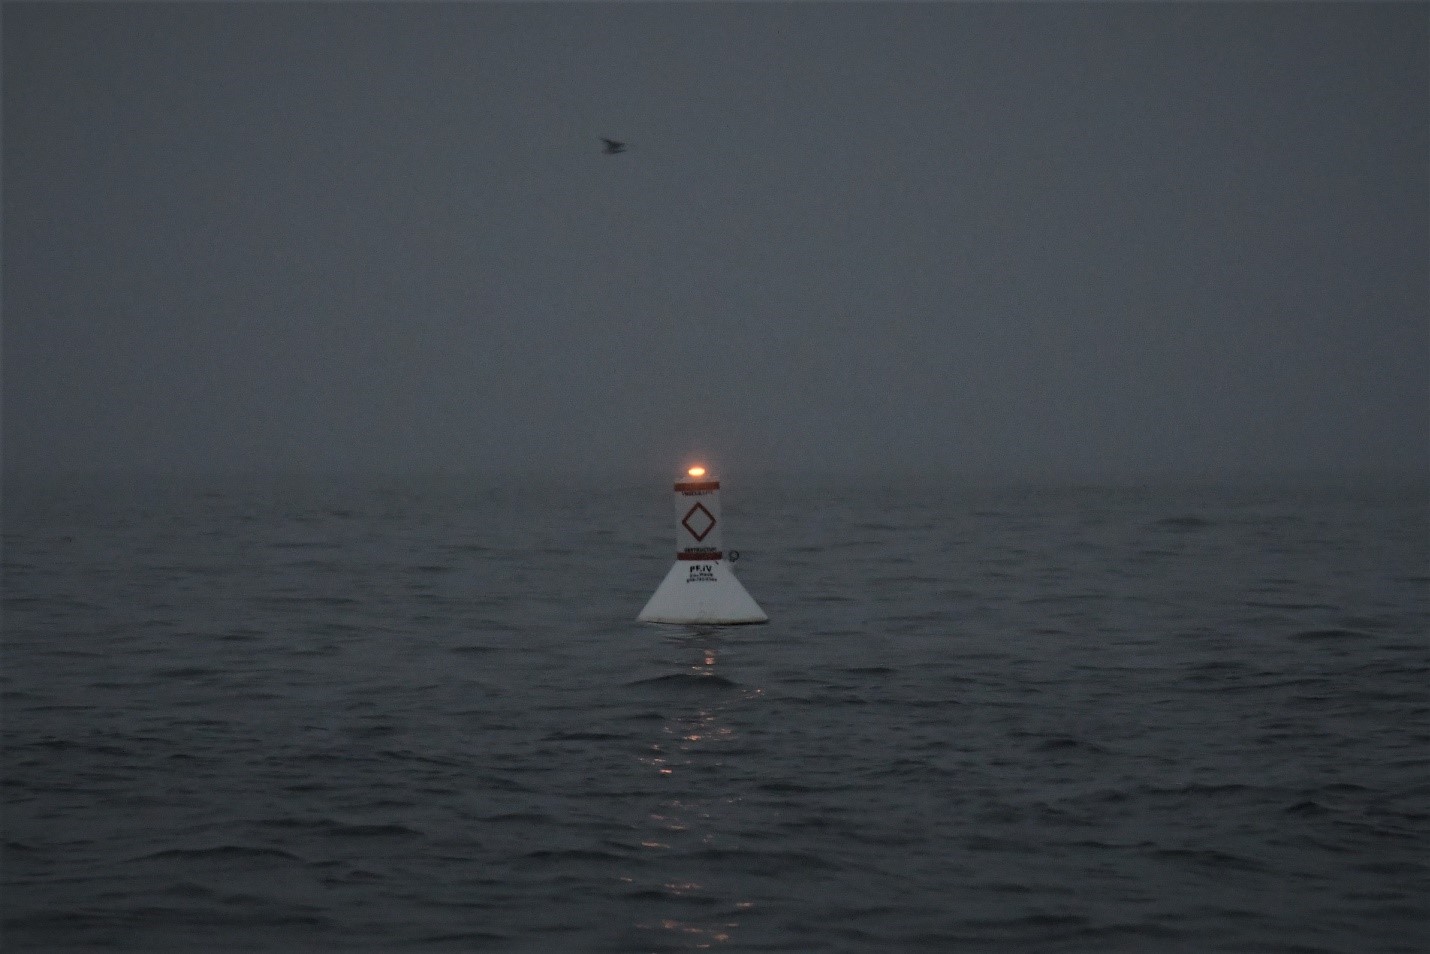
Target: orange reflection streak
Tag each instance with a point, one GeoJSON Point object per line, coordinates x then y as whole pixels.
{"type": "Point", "coordinates": [685, 819]}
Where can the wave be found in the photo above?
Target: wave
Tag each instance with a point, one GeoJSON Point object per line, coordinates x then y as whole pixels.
{"type": "Point", "coordinates": [1065, 742]}
{"type": "Point", "coordinates": [463, 939]}
{"type": "Point", "coordinates": [560, 736]}
{"type": "Point", "coordinates": [572, 854]}
{"type": "Point", "coordinates": [337, 829]}
{"type": "Point", "coordinates": [1187, 522]}
{"type": "Point", "coordinates": [686, 681]}
{"type": "Point", "coordinates": [1328, 635]}
{"type": "Point", "coordinates": [221, 852]}
{"type": "Point", "coordinates": [1307, 807]}
{"type": "Point", "coordinates": [1211, 858]}
{"type": "Point", "coordinates": [373, 831]}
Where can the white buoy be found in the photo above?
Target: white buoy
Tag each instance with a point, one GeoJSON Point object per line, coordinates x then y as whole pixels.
{"type": "Point", "coordinates": [700, 587]}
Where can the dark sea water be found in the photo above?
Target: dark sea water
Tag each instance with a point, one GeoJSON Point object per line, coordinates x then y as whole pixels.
{"type": "Point", "coordinates": [418, 715]}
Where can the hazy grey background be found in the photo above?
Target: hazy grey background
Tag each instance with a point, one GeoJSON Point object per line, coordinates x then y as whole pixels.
{"type": "Point", "coordinates": [985, 239]}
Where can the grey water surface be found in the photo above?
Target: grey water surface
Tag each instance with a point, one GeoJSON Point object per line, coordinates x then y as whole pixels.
{"type": "Point", "coordinates": [418, 715]}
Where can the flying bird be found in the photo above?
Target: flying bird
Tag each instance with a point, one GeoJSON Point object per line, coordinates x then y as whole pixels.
{"type": "Point", "coordinates": [613, 146]}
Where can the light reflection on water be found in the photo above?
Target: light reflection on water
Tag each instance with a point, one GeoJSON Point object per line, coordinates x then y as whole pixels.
{"type": "Point", "coordinates": [689, 755]}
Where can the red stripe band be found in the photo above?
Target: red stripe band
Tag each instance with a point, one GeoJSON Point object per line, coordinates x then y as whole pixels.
{"type": "Point", "coordinates": [712, 555]}
{"type": "Point", "coordinates": [698, 485]}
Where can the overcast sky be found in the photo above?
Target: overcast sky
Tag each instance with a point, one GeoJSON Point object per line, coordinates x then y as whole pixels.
{"type": "Point", "coordinates": [1022, 239]}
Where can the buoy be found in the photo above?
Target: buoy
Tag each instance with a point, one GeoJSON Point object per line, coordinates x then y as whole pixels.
{"type": "Point", "coordinates": [700, 587]}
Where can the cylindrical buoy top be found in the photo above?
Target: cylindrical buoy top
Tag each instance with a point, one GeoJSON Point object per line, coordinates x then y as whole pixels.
{"type": "Point", "coordinates": [697, 516]}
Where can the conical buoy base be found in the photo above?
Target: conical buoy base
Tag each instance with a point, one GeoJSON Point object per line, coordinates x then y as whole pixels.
{"type": "Point", "coordinates": [702, 592]}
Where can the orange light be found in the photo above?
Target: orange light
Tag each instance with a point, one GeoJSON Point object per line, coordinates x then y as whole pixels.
{"type": "Point", "coordinates": [696, 471]}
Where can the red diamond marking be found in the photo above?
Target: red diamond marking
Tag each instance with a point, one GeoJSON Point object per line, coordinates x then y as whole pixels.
{"type": "Point", "coordinates": [703, 518]}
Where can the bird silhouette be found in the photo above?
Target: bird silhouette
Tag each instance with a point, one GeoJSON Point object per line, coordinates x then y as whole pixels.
{"type": "Point", "coordinates": [613, 146]}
